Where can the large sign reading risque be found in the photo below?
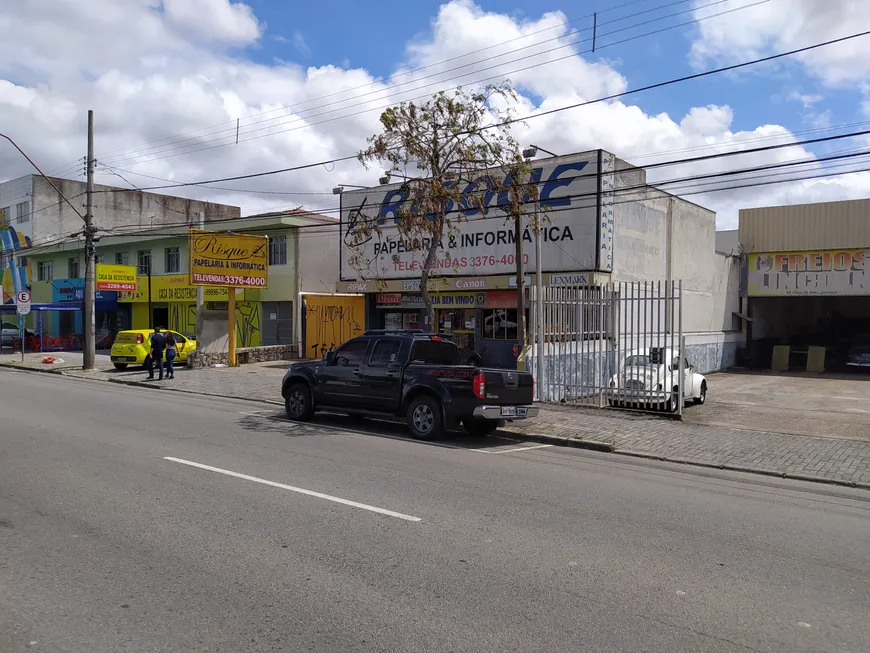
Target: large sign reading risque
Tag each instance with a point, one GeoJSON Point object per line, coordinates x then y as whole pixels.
{"type": "Point", "coordinates": [116, 277]}
{"type": "Point", "coordinates": [810, 273]}
{"type": "Point", "coordinates": [228, 260]}
{"type": "Point", "coordinates": [478, 244]}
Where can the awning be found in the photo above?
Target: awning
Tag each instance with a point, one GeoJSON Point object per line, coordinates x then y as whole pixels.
{"type": "Point", "coordinates": [57, 306]}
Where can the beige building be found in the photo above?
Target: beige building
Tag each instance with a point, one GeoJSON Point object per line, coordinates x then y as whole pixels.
{"type": "Point", "coordinates": [806, 281]}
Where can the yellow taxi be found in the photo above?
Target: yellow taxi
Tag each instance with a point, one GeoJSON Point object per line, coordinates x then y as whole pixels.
{"type": "Point", "coordinates": [132, 347]}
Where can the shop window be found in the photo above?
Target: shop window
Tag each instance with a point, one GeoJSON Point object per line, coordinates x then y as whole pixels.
{"type": "Point", "coordinates": [384, 353]}
{"type": "Point", "coordinates": [500, 324]}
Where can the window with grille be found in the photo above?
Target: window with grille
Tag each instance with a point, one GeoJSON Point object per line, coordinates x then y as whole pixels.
{"type": "Point", "coordinates": [122, 258]}
{"type": "Point", "coordinates": [278, 250]}
{"type": "Point", "coordinates": [99, 259]}
{"type": "Point", "coordinates": [144, 263]}
{"type": "Point", "coordinates": [73, 268]}
{"type": "Point", "coordinates": [45, 271]}
{"type": "Point", "coordinates": [173, 259]}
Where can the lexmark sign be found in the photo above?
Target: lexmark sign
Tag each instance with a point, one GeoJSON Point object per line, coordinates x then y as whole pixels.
{"type": "Point", "coordinates": [481, 242]}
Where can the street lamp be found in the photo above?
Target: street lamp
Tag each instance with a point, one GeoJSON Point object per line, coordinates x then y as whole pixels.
{"type": "Point", "coordinates": [338, 190]}
{"type": "Point", "coordinates": [532, 150]}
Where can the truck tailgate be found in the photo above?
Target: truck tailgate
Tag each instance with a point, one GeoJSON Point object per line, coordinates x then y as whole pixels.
{"type": "Point", "coordinates": [507, 387]}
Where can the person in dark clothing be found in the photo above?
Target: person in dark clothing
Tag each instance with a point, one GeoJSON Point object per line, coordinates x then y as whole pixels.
{"type": "Point", "coordinates": [170, 355]}
{"type": "Point", "coordinates": [158, 345]}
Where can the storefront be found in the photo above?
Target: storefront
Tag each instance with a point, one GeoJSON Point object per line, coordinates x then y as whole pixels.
{"type": "Point", "coordinates": [110, 317]}
{"type": "Point", "coordinates": [806, 286]}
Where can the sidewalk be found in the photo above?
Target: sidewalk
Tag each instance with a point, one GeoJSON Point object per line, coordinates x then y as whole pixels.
{"type": "Point", "coordinates": [807, 456]}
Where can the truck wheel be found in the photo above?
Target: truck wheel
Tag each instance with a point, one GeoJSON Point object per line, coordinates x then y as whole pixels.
{"type": "Point", "coordinates": [298, 403]}
{"type": "Point", "coordinates": [480, 426]}
{"type": "Point", "coordinates": [424, 418]}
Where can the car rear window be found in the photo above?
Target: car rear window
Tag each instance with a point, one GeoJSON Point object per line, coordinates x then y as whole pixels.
{"type": "Point", "coordinates": [126, 337]}
{"type": "Point", "coordinates": [435, 352]}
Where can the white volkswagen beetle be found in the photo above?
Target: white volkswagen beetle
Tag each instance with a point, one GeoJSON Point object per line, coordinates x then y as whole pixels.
{"type": "Point", "coordinates": [651, 377]}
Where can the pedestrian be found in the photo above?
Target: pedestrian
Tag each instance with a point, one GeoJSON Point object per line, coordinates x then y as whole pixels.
{"type": "Point", "coordinates": [158, 345]}
{"type": "Point", "coordinates": [170, 355]}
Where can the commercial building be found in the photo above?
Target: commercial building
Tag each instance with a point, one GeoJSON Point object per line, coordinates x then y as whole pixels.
{"type": "Point", "coordinates": [602, 223]}
{"type": "Point", "coordinates": [303, 267]}
{"type": "Point", "coordinates": [806, 282]}
{"type": "Point", "coordinates": [32, 213]}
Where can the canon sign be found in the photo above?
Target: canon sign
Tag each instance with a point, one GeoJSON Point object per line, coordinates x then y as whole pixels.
{"type": "Point", "coordinates": [480, 242]}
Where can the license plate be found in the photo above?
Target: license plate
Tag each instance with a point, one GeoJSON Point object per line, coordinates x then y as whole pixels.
{"type": "Point", "coordinates": [508, 411]}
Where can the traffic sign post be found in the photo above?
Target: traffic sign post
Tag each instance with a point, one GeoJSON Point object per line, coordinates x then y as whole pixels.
{"type": "Point", "coordinates": [22, 300]}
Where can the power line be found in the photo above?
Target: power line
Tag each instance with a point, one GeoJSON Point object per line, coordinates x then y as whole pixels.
{"type": "Point", "coordinates": [396, 75]}
{"type": "Point", "coordinates": [180, 151]}
{"type": "Point", "coordinates": [545, 113]}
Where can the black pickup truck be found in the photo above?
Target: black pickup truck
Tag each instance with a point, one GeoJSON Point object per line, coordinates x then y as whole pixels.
{"type": "Point", "coordinates": [411, 375]}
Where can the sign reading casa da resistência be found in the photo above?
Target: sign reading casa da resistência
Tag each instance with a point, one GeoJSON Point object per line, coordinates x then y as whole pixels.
{"type": "Point", "coordinates": [228, 259]}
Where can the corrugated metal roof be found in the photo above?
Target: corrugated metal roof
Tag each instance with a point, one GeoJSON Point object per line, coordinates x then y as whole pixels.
{"type": "Point", "coordinates": [826, 225]}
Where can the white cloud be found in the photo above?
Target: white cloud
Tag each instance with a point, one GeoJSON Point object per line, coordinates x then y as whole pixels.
{"type": "Point", "coordinates": [161, 77]}
{"type": "Point", "coordinates": [783, 25]}
{"type": "Point", "coordinates": [300, 44]}
{"type": "Point", "coordinates": [214, 20]}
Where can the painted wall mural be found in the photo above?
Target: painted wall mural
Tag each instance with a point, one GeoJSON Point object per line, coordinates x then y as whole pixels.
{"type": "Point", "coordinates": [12, 278]}
{"type": "Point", "coordinates": [330, 320]}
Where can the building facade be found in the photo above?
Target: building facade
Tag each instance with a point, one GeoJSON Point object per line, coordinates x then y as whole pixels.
{"type": "Point", "coordinates": [601, 223]}
{"type": "Point", "coordinates": [300, 260]}
{"type": "Point", "coordinates": [32, 213]}
{"type": "Point", "coordinates": [806, 282]}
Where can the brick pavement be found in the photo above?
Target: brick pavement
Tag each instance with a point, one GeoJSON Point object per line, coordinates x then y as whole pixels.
{"type": "Point", "coordinates": [835, 459]}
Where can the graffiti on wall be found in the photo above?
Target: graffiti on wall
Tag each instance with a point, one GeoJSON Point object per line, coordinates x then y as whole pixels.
{"type": "Point", "coordinates": [330, 320]}
{"type": "Point", "coordinates": [248, 324]}
{"type": "Point", "coordinates": [182, 318]}
{"type": "Point", "coordinates": [12, 278]}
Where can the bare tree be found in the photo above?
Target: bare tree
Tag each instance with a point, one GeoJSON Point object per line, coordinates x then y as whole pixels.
{"type": "Point", "coordinates": [463, 157]}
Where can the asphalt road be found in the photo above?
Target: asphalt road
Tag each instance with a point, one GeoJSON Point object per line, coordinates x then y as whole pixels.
{"type": "Point", "coordinates": [114, 537]}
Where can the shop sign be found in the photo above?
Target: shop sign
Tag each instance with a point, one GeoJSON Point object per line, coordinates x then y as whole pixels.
{"type": "Point", "coordinates": [809, 273]}
{"type": "Point", "coordinates": [446, 300]}
{"type": "Point", "coordinates": [228, 260]}
{"type": "Point", "coordinates": [569, 279]}
{"type": "Point", "coordinates": [170, 288]}
{"type": "Point", "coordinates": [501, 299]}
{"type": "Point", "coordinates": [479, 242]}
{"type": "Point", "coordinates": [357, 286]}
{"type": "Point", "coordinates": [116, 277]}
{"type": "Point", "coordinates": [388, 299]}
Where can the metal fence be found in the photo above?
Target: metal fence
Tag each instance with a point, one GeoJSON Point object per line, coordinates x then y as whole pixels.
{"type": "Point", "coordinates": [615, 344]}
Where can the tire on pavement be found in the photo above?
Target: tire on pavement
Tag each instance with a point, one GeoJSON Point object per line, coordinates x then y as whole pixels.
{"type": "Point", "coordinates": [702, 399]}
{"type": "Point", "coordinates": [480, 426]}
{"type": "Point", "coordinates": [298, 404]}
{"type": "Point", "coordinates": [424, 418]}
{"type": "Point", "coordinates": [120, 366]}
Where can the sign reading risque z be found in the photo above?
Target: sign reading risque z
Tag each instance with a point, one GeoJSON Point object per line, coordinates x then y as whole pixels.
{"type": "Point", "coordinates": [228, 259]}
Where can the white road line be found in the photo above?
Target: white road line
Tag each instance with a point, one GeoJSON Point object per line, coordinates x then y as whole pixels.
{"type": "Point", "coordinates": [311, 493]}
{"type": "Point", "coordinates": [519, 449]}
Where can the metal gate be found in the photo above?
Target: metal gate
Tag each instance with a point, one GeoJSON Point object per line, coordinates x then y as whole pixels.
{"type": "Point", "coordinates": [617, 344]}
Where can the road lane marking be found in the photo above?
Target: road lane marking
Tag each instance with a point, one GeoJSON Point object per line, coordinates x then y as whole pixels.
{"type": "Point", "coordinates": [518, 449]}
{"type": "Point", "coordinates": [291, 488]}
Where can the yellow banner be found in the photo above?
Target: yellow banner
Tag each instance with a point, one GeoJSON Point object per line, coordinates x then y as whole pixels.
{"type": "Point", "coordinates": [170, 288]}
{"type": "Point", "coordinates": [809, 273]}
{"type": "Point", "coordinates": [116, 277]}
{"type": "Point", "coordinates": [228, 260]}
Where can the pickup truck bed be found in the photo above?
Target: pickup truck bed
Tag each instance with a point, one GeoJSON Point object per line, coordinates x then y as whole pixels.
{"type": "Point", "coordinates": [412, 376]}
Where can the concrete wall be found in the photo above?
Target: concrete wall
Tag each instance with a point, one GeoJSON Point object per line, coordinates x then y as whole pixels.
{"type": "Point", "coordinates": [115, 208]}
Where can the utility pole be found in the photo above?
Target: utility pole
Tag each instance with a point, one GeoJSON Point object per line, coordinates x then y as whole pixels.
{"type": "Point", "coordinates": [521, 300]}
{"type": "Point", "coordinates": [89, 322]}
{"type": "Point", "coordinates": [200, 290]}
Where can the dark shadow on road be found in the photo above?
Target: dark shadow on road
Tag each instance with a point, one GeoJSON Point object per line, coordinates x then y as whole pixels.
{"type": "Point", "coordinates": [330, 425]}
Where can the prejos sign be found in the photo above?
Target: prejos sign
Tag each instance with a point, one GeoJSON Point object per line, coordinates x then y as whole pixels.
{"type": "Point", "coordinates": [478, 243]}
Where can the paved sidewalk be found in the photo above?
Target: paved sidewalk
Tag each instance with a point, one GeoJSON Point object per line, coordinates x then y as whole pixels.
{"type": "Point", "coordinates": [816, 456]}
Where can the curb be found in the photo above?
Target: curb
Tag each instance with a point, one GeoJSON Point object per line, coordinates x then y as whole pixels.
{"type": "Point", "coordinates": [592, 445]}
{"type": "Point", "coordinates": [749, 470]}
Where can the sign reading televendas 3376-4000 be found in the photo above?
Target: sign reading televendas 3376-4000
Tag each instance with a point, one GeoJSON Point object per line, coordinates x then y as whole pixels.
{"type": "Point", "coordinates": [478, 242]}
